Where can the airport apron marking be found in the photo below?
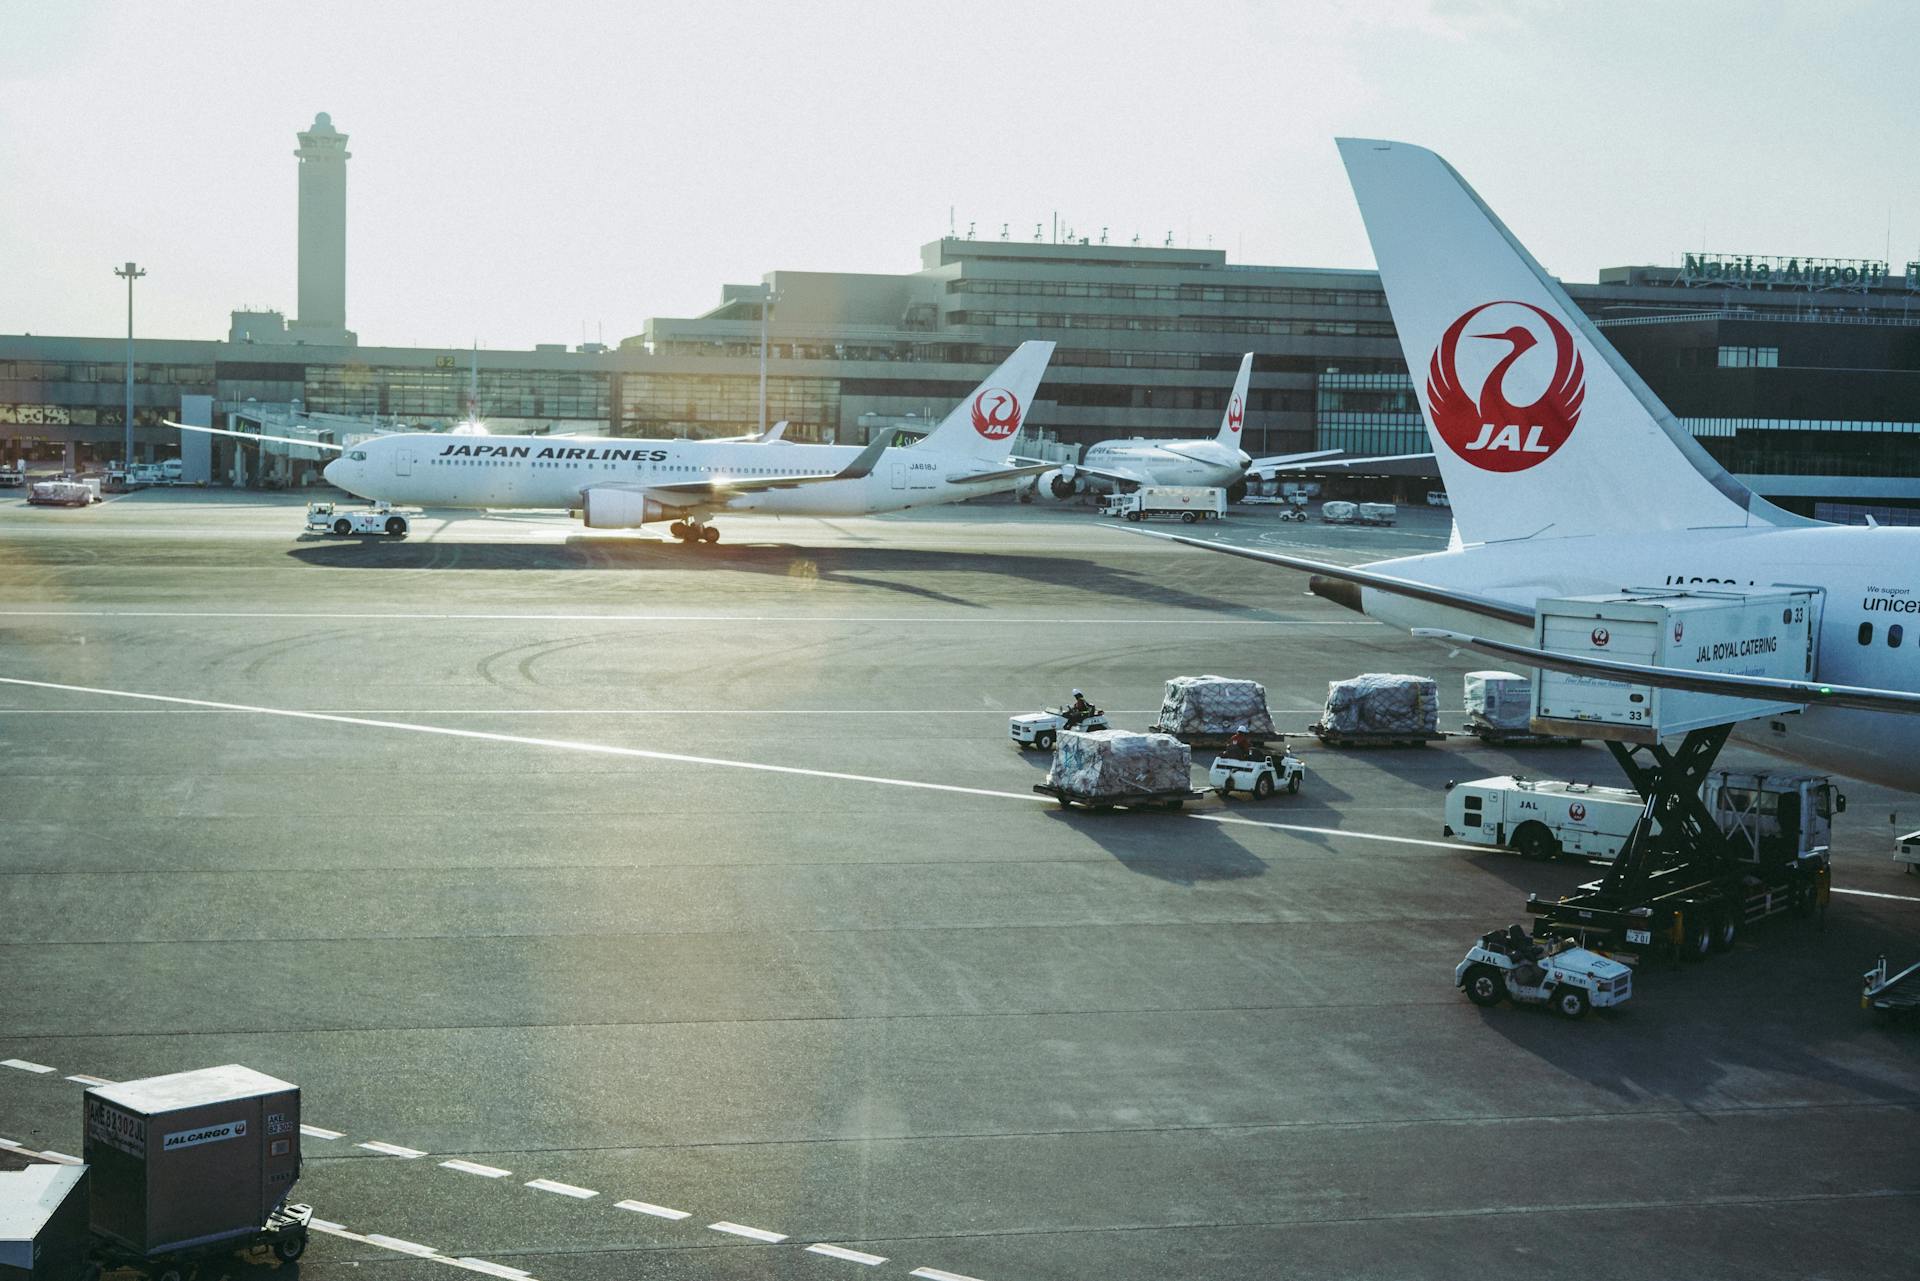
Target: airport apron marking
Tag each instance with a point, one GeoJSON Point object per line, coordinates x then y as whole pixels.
{"type": "Point", "coordinates": [995, 621]}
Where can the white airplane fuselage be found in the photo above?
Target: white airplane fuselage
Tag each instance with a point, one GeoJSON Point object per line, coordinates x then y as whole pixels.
{"type": "Point", "coordinates": [1166, 462]}
{"type": "Point", "coordinates": [546, 473]}
{"type": "Point", "coordinates": [1850, 565]}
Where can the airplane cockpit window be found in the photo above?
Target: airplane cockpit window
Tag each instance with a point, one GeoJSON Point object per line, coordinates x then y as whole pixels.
{"type": "Point", "coordinates": [357, 456]}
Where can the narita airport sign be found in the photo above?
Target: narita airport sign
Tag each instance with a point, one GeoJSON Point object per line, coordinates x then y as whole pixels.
{"type": "Point", "coordinates": [1763, 271]}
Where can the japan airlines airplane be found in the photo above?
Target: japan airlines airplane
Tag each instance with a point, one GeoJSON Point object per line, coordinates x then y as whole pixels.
{"type": "Point", "coordinates": [1569, 477]}
{"type": "Point", "coordinates": [616, 483]}
{"type": "Point", "coordinates": [1221, 463]}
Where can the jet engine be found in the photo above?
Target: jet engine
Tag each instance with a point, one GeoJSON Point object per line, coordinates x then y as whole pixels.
{"type": "Point", "coordinates": [603, 507]}
{"type": "Point", "coordinates": [1062, 482]}
{"type": "Point", "coordinates": [1237, 490]}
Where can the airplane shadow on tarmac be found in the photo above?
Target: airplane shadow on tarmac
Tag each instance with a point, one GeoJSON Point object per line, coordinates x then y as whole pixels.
{"type": "Point", "coordinates": [1165, 846]}
{"type": "Point", "coordinates": [851, 566]}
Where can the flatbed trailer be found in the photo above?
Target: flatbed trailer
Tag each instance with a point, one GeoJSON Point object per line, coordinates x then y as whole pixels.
{"type": "Point", "coordinates": [1890, 996]}
{"type": "Point", "coordinates": [1495, 736]}
{"type": "Point", "coordinates": [1214, 742]}
{"type": "Point", "coordinates": [284, 1234]}
{"type": "Point", "coordinates": [1679, 887]}
{"type": "Point", "coordinates": [1168, 800]}
{"type": "Point", "coordinates": [1374, 738]}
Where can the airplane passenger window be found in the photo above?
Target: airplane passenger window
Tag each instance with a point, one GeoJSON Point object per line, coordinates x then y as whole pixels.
{"type": "Point", "coordinates": [1866, 633]}
{"type": "Point", "coordinates": [1895, 634]}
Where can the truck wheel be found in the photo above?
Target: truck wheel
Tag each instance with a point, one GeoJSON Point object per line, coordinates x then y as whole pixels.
{"type": "Point", "coordinates": [290, 1247]}
{"type": "Point", "coordinates": [168, 1273]}
{"type": "Point", "coordinates": [1725, 931]}
{"type": "Point", "coordinates": [396, 526]}
{"type": "Point", "coordinates": [1263, 786]}
{"type": "Point", "coordinates": [1044, 740]}
{"type": "Point", "coordinates": [1293, 785]}
{"type": "Point", "coordinates": [1698, 940]}
{"type": "Point", "coordinates": [1133, 515]}
{"type": "Point", "coordinates": [1187, 518]}
{"type": "Point", "coordinates": [1484, 986]}
{"type": "Point", "coordinates": [1570, 1002]}
{"type": "Point", "coordinates": [1535, 841]}
{"type": "Point", "coordinates": [343, 526]}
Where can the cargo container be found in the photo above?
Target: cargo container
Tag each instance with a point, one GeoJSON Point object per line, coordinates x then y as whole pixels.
{"type": "Point", "coordinates": [43, 1223]}
{"type": "Point", "coordinates": [1768, 633]}
{"type": "Point", "coordinates": [1375, 514]}
{"type": "Point", "coordinates": [190, 1159]}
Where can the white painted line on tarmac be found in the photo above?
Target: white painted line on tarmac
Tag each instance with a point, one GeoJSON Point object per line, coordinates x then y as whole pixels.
{"type": "Point", "coordinates": [83, 1079]}
{"type": "Point", "coordinates": [493, 1269]}
{"type": "Point", "coordinates": [1904, 898]}
{"type": "Point", "coordinates": [470, 1167]}
{"type": "Point", "coordinates": [24, 1066]}
{"type": "Point", "coordinates": [1238, 821]}
{"type": "Point", "coordinates": [391, 1149]}
{"type": "Point", "coordinates": [742, 1230]}
{"type": "Point", "coordinates": [11, 1143]}
{"type": "Point", "coordinates": [62, 1157]}
{"type": "Point", "coordinates": [315, 1132]}
{"type": "Point", "coordinates": [418, 1251]}
{"type": "Point", "coordinates": [564, 1189]}
{"type": "Point", "coordinates": [702, 712]}
{"type": "Point", "coordinates": [935, 1274]}
{"type": "Point", "coordinates": [1202, 620]}
{"type": "Point", "coordinates": [400, 1244]}
{"type": "Point", "coordinates": [657, 1211]}
{"type": "Point", "coordinates": [851, 1256]}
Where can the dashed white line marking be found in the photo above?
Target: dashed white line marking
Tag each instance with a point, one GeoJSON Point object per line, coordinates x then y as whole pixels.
{"type": "Point", "coordinates": [851, 1256]}
{"type": "Point", "coordinates": [742, 1230]}
{"type": "Point", "coordinates": [391, 1149]}
{"type": "Point", "coordinates": [493, 1269]}
{"type": "Point", "coordinates": [327, 1225]}
{"type": "Point", "coordinates": [315, 1132]}
{"type": "Point", "coordinates": [11, 1143]}
{"type": "Point", "coordinates": [84, 1079]}
{"type": "Point", "coordinates": [62, 1157]}
{"type": "Point", "coordinates": [657, 1211]}
{"type": "Point", "coordinates": [1201, 620]}
{"type": "Point", "coordinates": [404, 1246]}
{"type": "Point", "coordinates": [484, 1171]}
{"type": "Point", "coordinates": [935, 1274]}
{"type": "Point", "coordinates": [564, 1189]}
{"type": "Point", "coordinates": [24, 1066]}
{"type": "Point", "coordinates": [1904, 898]}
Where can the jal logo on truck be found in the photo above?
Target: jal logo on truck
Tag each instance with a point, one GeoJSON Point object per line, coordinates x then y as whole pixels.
{"type": "Point", "coordinates": [1600, 637]}
{"type": "Point", "coordinates": [1577, 812]}
{"type": "Point", "coordinates": [1490, 431]}
{"type": "Point", "coordinates": [206, 1134]}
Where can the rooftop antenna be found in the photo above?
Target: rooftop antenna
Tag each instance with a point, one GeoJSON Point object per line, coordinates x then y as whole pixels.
{"type": "Point", "coordinates": [473, 385]}
{"type": "Point", "coordinates": [1169, 241]}
{"type": "Point", "coordinates": [949, 222]}
{"type": "Point", "coordinates": [1136, 240]}
{"type": "Point", "coordinates": [1003, 231]}
{"type": "Point", "coordinates": [1038, 229]}
{"type": "Point", "coordinates": [969, 231]}
{"type": "Point", "coordinates": [1103, 235]}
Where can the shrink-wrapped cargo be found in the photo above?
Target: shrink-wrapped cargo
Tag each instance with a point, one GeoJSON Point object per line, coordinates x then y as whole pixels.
{"type": "Point", "coordinates": [1337, 512]}
{"type": "Point", "coordinates": [1212, 705]}
{"type": "Point", "coordinates": [1118, 762]}
{"type": "Point", "coordinates": [1382, 703]}
{"type": "Point", "coordinates": [1499, 700]}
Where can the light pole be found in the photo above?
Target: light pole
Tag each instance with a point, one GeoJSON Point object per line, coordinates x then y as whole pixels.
{"type": "Point", "coordinates": [131, 272]}
{"type": "Point", "coordinates": [768, 298]}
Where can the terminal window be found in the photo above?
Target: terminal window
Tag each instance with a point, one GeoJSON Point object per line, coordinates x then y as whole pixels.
{"type": "Point", "coordinates": [1749, 357]}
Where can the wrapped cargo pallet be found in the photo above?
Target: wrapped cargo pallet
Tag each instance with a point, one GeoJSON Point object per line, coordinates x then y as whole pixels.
{"type": "Point", "coordinates": [1501, 700]}
{"type": "Point", "coordinates": [1383, 703]}
{"type": "Point", "coordinates": [1338, 512]}
{"type": "Point", "coordinates": [1209, 705]}
{"type": "Point", "coordinates": [1118, 762]}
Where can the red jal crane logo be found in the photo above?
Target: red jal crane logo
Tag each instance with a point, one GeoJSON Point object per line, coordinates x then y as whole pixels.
{"type": "Point", "coordinates": [996, 413]}
{"type": "Point", "coordinates": [1577, 812]}
{"type": "Point", "coordinates": [1236, 414]}
{"type": "Point", "coordinates": [1494, 434]}
{"type": "Point", "coordinates": [1600, 637]}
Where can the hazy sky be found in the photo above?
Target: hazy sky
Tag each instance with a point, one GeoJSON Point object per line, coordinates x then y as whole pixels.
{"type": "Point", "coordinates": [521, 170]}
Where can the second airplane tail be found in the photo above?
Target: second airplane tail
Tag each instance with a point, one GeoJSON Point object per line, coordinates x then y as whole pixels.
{"type": "Point", "coordinates": [983, 425]}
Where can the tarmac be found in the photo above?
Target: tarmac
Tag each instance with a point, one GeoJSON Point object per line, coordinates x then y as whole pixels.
{"type": "Point", "coordinates": [684, 898]}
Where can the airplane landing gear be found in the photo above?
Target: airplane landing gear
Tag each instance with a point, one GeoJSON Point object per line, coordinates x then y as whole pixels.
{"type": "Point", "coordinates": [694, 531]}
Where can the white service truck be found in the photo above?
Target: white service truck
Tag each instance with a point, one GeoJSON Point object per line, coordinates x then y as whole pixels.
{"type": "Point", "coordinates": [1762, 814]}
{"type": "Point", "coordinates": [1189, 503]}
{"type": "Point", "coordinates": [379, 518]}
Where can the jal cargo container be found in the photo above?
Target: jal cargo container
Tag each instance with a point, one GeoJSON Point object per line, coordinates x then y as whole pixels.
{"type": "Point", "coordinates": [191, 1158]}
{"type": "Point", "coordinates": [43, 1223]}
{"type": "Point", "coordinates": [1736, 633]}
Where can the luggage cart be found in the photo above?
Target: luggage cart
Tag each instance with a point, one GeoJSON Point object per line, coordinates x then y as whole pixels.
{"type": "Point", "coordinates": [1168, 800]}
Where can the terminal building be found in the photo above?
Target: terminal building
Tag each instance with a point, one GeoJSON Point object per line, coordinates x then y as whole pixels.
{"type": "Point", "coordinates": [1802, 376]}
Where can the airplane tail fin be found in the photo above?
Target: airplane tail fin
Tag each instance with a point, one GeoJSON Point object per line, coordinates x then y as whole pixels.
{"type": "Point", "coordinates": [1235, 416]}
{"type": "Point", "coordinates": [1539, 427]}
{"type": "Point", "coordinates": [983, 425]}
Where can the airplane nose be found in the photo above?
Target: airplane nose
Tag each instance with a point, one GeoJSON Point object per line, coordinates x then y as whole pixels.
{"type": "Point", "coordinates": [332, 472]}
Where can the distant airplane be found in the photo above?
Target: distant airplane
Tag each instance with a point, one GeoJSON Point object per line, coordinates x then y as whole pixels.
{"type": "Point", "coordinates": [1570, 478]}
{"type": "Point", "coordinates": [1220, 463]}
{"type": "Point", "coordinates": [620, 483]}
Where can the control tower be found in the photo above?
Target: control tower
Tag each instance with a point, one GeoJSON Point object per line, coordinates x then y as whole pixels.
{"type": "Point", "coordinates": [322, 317]}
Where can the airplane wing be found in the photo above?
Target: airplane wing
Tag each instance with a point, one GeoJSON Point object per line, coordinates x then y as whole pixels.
{"type": "Point", "coordinates": [1265, 466]}
{"type": "Point", "coordinates": [1282, 460]}
{"type": "Point", "coordinates": [1019, 468]}
{"type": "Point", "coordinates": [1357, 576]}
{"type": "Point", "coordinates": [1811, 693]}
{"type": "Point", "coordinates": [1112, 475]}
{"type": "Point", "coordinates": [256, 436]}
{"type": "Point", "coordinates": [720, 488]}
{"type": "Point", "coordinates": [771, 435]}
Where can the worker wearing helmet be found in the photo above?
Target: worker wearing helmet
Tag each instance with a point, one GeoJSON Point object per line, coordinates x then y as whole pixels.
{"type": "Point", "coordinates": [1240, 745]}
{"type": "Point", "coordinates": [1080, 710]}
